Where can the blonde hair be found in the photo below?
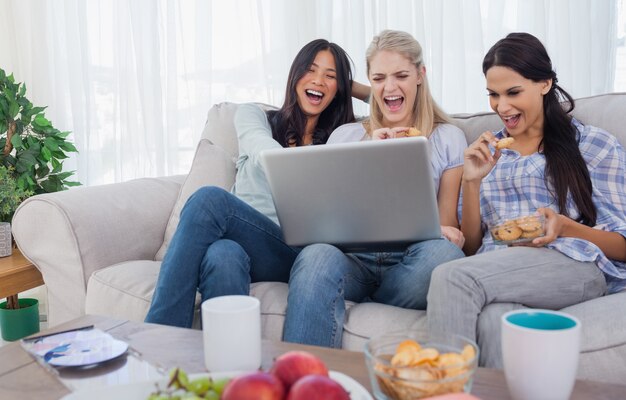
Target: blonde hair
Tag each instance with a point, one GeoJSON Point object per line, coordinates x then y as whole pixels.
{"type": "Point", "coordinates": [426, 113]}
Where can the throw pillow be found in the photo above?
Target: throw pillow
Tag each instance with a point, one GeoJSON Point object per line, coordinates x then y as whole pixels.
{"type": "Point", "coordinates": [212, 166]}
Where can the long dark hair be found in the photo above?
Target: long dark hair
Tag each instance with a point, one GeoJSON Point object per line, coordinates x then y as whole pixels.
{"type": "Point", "coordinates": [288, 123]}
{"type": "Point", "coordinates": [566, 169]}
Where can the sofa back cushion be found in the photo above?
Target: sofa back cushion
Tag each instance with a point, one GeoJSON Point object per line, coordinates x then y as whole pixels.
{"type": "Point", "coordinates": [211, 166]}
{"type": "Point", "coordinates": [605, 111]}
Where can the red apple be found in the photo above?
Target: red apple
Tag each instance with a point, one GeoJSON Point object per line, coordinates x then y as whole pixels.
{"type": "Point", "coordinates": [254, 386]}
{"type": "Point", "coordinates": [317, 387]}
{"type": "Point", "coordinates": [293, 365]}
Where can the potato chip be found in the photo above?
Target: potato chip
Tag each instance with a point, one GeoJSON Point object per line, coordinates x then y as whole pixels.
{"type": "Point", "coordinates": [468, 353]}
{"type": "Point", "coordinates": [408, 345]}
{"type": "Point", "coordinates": [403, 358]}
{"type": "Point", "coordinates": [426, 355]}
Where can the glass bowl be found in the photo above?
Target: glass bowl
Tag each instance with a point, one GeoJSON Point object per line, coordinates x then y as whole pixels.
{"type": "Point", "coordinates": [398, 370]}
{"type": "Point", "coordinates": [518, 229]}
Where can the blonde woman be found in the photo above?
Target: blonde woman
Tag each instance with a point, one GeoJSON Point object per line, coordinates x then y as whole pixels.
{"type": "Point", "coordinates": [323, 277]}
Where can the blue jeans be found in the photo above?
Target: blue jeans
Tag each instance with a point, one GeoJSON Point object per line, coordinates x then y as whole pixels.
{"type": "Point", "coordinates": [323, 278]}
{"type": "Point", "coordinates": [220, 246]}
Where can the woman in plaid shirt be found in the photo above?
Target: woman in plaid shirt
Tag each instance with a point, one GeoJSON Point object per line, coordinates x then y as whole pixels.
{"type": "Point", "coordinates": [571, 173]}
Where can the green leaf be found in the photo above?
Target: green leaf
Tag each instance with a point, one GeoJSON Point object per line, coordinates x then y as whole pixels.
{"type": "Point", "coordinates": [16, 141]}
{"type": "Point", "coordinates": [9, 94]}
{"type": "Point", "coordinates": [69, 183]}
{"type": "Point", "coordinates": [51, 144]}
{"type": "Point", "coordinates": [63, 135]}
{"type": "Point", "coordinates": [11, 78]}
{"type": "Point", "coordinates": [56, 165]}
{"type": "Point", "coordinates": [46, 154]}
{"type": "Point", "coordinates": [41, 121]}
{"type": "Point", "coordinates": [14, 109]}
{"type": "Point", "coordinates": [64, 175]}
{"type": "Point", "coordinates": [43, 171]}
{"type": "Point", "coordinates": [25, 163]}
{"type": "Point", "coordinates": [67, 146]}
{"type": "Point", "coordinates": [22, 91]}
{"type": "Point", "coordinates": [4, 107]}
{"type": "Point", "coordinates": [59, 154]}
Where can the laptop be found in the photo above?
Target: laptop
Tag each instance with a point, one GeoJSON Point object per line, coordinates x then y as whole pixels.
{"type": "Point", "coordinates": [368, 196]}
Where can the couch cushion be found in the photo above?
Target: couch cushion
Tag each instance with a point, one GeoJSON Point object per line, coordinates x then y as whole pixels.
{"type": "Point", "coordinates": [122, 290]}
{"type": "Point", "coordinates": [358, 326]}
{"type": "Point", "coordinates": [125, 291]}
{"type": "Point", "coordinates": [211, 166]}
{"type": "Point", "coordinates": [220, 126]}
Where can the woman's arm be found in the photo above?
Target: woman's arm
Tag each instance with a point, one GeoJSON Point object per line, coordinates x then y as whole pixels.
{"type": "Point", "coordinates": [361, 91]}
{"type": "Point", "coordinates": [470, 217]}
{"type": "Point", "coordinates": [448, 196]}
{"type": "Point", "coordinates": [478, 162]}
{"type": "Point", "coordinates": [612, 244]}
{"type": "Point", "coordinates": [448, 203]}
{"type": "Point", "coordinates": [254, 132]}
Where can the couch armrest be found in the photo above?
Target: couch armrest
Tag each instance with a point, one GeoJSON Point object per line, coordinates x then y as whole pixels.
{"type": "Point", "coordinates": [68, 235]}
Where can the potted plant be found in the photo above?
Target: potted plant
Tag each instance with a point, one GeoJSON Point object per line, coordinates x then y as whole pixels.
{"type": "Point", "coordinates": [31, 162]}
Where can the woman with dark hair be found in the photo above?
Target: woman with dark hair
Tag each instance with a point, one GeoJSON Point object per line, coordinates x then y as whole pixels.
{"type": "Point", "coordinates": [571, 174]}
{"type": "Point", "coordinates": [226, 240]}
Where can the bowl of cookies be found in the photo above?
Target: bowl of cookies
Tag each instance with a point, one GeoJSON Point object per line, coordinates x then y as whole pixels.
{"type": "Point", "coordinates": [418, 365]}
{"type": "Point", "coordinates": [518, 229]}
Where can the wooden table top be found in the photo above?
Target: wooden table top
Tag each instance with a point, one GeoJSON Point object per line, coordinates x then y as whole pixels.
{"type": "Point", "coordinates": [22, 377]}
{"type": "Point", "coordinates": [17, 274]}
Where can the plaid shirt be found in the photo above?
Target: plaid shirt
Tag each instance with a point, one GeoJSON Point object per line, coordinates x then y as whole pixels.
{"type": "Point", "coordinates": [517, 185]}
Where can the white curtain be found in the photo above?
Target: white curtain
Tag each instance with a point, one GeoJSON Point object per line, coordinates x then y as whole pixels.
{"type": "Point", "coordinates": [133, 79]}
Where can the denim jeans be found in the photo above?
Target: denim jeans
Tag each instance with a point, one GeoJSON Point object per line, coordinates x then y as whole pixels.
{"type": "Point", "coordinates": [506, 279]}
{"type": "Point", "coordinates": [323, 278]}
{"type": "Point", "coordinates": [220, 246]}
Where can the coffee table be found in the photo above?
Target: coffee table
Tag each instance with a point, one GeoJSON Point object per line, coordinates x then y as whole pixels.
{"type": "Point", "coordinates": [22, 377]}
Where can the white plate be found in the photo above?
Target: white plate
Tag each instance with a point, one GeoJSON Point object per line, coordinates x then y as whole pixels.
{"type": "Point", "coordinates": [77, 348]}
{"type": "Point", "coordinates": [141, 390]}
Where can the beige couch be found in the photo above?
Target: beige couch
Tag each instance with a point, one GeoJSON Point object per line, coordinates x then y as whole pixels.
{"type": "Point", "coordinates": [99, 248]}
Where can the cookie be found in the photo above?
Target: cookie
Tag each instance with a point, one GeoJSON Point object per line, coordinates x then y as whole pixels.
{"type": "Point", "coordinates": [528, 224]}
{"type": "Point", "coordinates": [505, 143]}
{"type": "Point", "coordinates": [509, 232]}
{"type": "Point", "coordinates": [413, 132]}
{"type": "Point", "coordinates": [532, 234]}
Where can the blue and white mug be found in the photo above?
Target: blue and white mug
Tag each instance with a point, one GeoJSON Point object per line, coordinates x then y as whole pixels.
{"type": "Point", "coordinates": [540, 351]}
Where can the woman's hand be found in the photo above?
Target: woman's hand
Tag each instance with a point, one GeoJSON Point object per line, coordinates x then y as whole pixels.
{"type": "Point", "coordinates": [389, 133]}
{"type": "Point", "coordinates": [554, 224]}
{"type": "Point", "coordinates": [478, 160]}
{"type": "Point", "coordinates": [553, 227]}
{"type": "Point", "coordinates": [454, 235]}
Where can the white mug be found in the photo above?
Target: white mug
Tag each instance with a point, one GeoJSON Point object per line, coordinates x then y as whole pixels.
{"type": "Point", "coordinates": [540, 351]}
{"type": "Point", "coordinates": [231, 330]}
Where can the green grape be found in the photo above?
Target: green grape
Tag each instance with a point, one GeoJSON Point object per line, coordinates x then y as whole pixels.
{"type": "Point", "coordinates": [199, 386]}
{"type": "Point", "coordinates": [219, 384]}
{"type": "Point", "coordinates": [212, 395]}
{"type": "Point", "coordinates": [155, 396]}
{"type": "Point", "coordinates": [190, 396]}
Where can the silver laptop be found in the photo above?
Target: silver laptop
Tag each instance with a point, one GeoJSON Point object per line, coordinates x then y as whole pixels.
{"type": "Point", "coordinates": [361, 197]}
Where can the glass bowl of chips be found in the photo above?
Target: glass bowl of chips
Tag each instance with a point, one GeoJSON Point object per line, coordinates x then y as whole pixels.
{"type": "Point", "coordinates": [417, 365]}
{"type": "Point", "coordinates": [518, 229]}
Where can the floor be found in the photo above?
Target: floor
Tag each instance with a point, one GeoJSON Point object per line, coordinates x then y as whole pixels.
{"type": "Point", "coordinates": [40, 294]}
